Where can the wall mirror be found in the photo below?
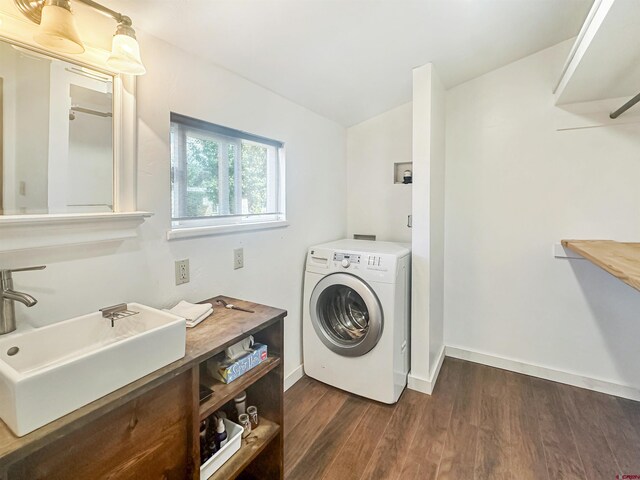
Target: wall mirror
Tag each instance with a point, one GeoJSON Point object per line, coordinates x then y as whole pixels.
{"type": "Point", "coordinates": [56, 135]}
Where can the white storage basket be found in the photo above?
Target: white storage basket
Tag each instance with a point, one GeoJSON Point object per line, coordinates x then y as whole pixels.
{"type": "Point", "coordinates": [234, 436]}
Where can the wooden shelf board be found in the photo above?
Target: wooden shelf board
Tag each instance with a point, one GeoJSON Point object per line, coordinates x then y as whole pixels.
{"type": "Point", "coordinates": [250, 449]}
{"type": "Point", "coordinates": [622, 260]}
{"type": "Point", "coordinates": [224, 392]}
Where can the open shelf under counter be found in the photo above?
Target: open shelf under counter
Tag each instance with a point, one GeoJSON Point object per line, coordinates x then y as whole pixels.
{"type": "Point", "coordinates": [620, 259]}
{"type": "Point", "coordinates": [224, 392]}
{"type": "Point", "coordinates": [251, 447]}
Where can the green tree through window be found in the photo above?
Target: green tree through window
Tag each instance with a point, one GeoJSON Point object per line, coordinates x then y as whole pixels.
{"type": "Point", "coordinates": [254, 177]}
{"type": "Point", "coordinates": [221, 176]}
{"type": "Point", "coordinates": [202, 178]}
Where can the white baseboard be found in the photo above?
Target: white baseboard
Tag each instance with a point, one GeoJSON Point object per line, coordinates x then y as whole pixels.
{"type": "Point", "coordinates": [419, 384]}
{"type": "Point", "coordinates": [576, 380]}
{"type": "Point", "coordinates": [293, 377]}
{"type": "Point", "coordinates": [424, 385]}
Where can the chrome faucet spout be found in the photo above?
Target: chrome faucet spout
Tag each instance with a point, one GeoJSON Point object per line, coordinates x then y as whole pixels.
{"type": "Point", "coordinates": [24, 298]}
{"type": "Point", "coordinates": [8, 296]}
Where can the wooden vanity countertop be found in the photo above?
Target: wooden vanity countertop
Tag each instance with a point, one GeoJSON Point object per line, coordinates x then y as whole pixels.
{"type": "Point", "coordinates": [222, 328]}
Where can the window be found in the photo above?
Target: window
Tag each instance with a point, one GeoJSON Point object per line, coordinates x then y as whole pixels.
{"type": "Point", "coordinates": [224, 177]}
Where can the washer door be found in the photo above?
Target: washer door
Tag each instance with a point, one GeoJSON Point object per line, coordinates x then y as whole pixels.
{"type": "Point", "coordinates": [346, 314]}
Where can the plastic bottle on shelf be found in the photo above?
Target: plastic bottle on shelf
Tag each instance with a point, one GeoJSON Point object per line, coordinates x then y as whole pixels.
{"type": "Point", "coordinates": [221, 434]}
{"type": "Point", "coordinates": [204, 444]}
{"type": "Point", "coordinates": [240, 402]}
{"type": "Point", "coordinates": [211, 437]}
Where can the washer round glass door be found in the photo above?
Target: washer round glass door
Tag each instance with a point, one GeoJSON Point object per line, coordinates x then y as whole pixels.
{"type": "Point", "coordinates": [346, 314]}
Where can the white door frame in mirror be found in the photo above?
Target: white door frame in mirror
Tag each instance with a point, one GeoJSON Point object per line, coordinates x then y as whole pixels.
{"type": "Point", "coordinates": [19, 232]}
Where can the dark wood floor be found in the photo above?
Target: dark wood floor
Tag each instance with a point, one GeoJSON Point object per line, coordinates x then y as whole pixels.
{"type": "Point", "coordinates": [480, 423]}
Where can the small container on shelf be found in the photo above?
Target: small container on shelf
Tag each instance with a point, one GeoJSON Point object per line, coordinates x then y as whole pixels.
{"type": "Point", "coordinates": [252, 411]}
{"type": "Point", "coordinates": [204, 446]}
{"type": "Point", "coordinates": [240, 403]}
{"type": "Point", "coordinates": [245, 423]}
{"type": "Point", "coordinates": [220, 436]}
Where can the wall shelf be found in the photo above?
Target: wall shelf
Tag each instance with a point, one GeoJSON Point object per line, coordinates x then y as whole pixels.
{"type": "Point", "coordinates": [603, 60]}
{"type": "Point", "coordinates": [22, 232]}
{"type": "Point", "coordinates": [622, 260]}
{"type": "Point", "coordinates": [398, 172]}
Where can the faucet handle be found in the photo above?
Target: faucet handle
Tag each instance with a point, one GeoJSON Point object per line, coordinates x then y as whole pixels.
{"type": "Point", "coordinates": [27, 269]}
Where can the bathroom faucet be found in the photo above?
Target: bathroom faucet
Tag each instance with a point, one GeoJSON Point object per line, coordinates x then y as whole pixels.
{"type": "Point", "coordinates": [8, 295]}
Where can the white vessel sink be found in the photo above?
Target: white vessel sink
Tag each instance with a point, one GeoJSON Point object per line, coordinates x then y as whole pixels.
{"type": "Point", "coordinates": [61, 367]}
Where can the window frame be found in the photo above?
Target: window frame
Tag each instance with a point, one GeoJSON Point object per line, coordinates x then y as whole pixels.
{"type": "Point", "coordinates": [226, 222]}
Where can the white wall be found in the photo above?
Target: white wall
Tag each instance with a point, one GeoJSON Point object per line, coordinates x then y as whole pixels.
{"type": "Point", "coordinates": [514, 187]}
{"type": "Point", "coordinates": [82, 279]}
{"type": "Point", "coordinates": [375, 204]}
{"type": "Point", "coordinates": [427, 267]}
{"type": "Point", "coordinates": [437, 156]}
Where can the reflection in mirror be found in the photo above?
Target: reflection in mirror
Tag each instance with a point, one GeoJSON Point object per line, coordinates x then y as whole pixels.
{"type": "Point", "coordinates": [56, 135]}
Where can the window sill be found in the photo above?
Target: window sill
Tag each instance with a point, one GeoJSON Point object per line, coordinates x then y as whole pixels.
{"type": "Point", "coordinates": [187, 232]}
{"type": "Point", "coordinates": [23, 232]}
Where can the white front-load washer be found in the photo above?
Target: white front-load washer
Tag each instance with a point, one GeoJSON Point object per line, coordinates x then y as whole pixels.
{"type": "Point", "coordinates": [356, 317]}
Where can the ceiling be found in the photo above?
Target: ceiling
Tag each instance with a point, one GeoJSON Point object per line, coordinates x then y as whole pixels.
{"type": "Point", "coordinates": [350, 60]}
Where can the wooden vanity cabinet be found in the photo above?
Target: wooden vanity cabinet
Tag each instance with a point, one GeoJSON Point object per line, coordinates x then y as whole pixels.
{"type": "Point", "coordinates": [150, 428]}
{"type": "Point", "coordinates": [148, 437]}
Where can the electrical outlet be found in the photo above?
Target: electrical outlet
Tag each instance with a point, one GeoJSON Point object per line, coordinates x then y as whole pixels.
{"type": "Point", "coordinates": [238, 258]}
{"type": "Point", "coordinates": [182, 271]}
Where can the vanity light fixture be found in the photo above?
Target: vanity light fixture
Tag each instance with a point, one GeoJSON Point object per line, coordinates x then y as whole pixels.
{"type": "Point", "coordinates": [125, 51]}
{"type": "Point", "coordinates": [58, 32]}
{"type": "Point", "coordinates": [58, 28]}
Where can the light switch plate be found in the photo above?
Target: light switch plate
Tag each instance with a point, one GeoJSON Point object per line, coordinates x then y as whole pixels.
{"type": "Point", "coordinates": [182, 271]}
{"type": "Point", "coordinates": [238, 258]}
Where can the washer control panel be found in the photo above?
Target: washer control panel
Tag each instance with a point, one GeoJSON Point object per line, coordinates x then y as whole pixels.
{"type": "Point", "coordinates": [346, 258]}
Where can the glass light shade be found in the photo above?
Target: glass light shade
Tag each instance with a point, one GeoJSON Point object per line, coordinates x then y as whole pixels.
{"type": "Point", "coordinates": [58, 30]}
{"type": "Point", "coordinates": [125, 55]}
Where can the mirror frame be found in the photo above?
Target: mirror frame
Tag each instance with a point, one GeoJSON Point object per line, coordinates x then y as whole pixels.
{"type": "Point", "coordinates": [20, 232]}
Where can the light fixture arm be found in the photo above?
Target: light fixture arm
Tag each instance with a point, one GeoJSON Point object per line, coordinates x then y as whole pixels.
{"type": "Point", "coordinates": [118, 17]}
{"type": "Point", "coordinates": [32, 9]}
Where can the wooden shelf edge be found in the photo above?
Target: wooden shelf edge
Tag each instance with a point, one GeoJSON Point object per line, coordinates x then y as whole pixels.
{"type": "Point", "coordinates": [224, 392]}
{"type": "Point", "coordinates": [620, 259]}
{"type": "Point", "coordinates": [251, 447]}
